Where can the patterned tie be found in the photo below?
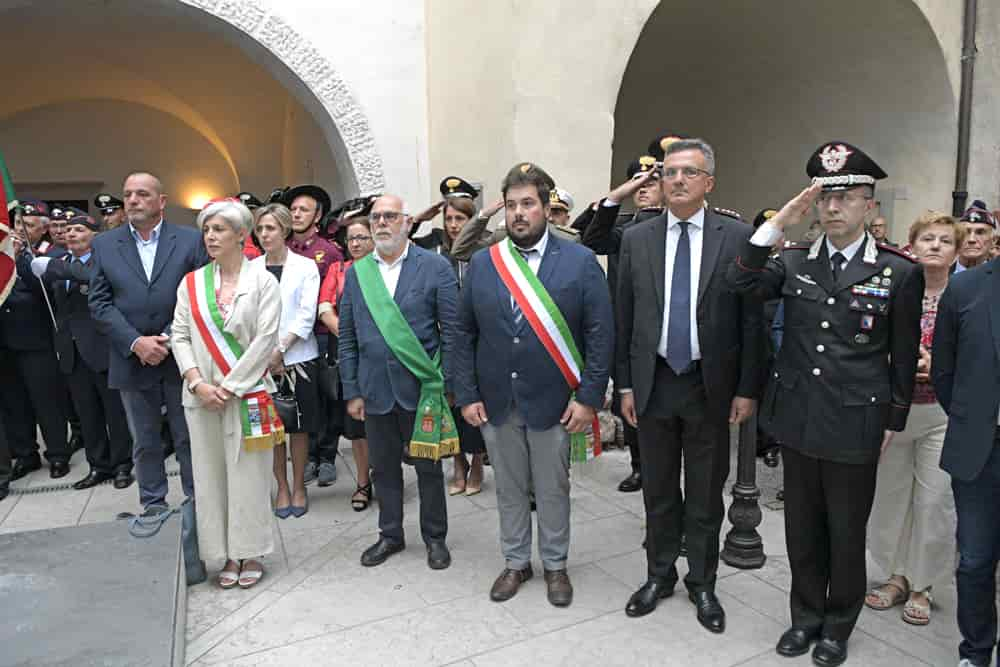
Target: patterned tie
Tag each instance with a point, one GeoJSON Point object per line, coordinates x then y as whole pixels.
{"type": "Point", "coordinates": [838, 261]}
{"type": "Point", "coordinates": [516, 309]}
{"type": "Point", "coordinates": [679, 326]}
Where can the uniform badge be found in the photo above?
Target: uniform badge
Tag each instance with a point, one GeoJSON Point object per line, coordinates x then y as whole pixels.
{"type": "Point", "coordinates": [806, 279]}
{"type": "Point", "coordinates": [319, 256]}
{"type": "Point", "coordinates": [834, 157]}
{"type": "Point", "coordinates": [855, 303]}
{"type": "Point", "coordinates": [868, 322]}
{"type": "Point", "coordinates": [861, 339]}
{"type": "Point", "coordinates": [84, 289]}
{"type": "Point", "coordinates": [887, 271]}
{"type": "Point", "coordinates": [886, 282]}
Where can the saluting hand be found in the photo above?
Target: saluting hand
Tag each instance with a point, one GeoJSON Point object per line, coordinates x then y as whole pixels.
{"type": "Point", "coordinates": [796, 210]}
{"type": "Point", "coordinates": [428, 213]}
{"type": "Point", "coordinates": [633, 185]}
{"type": "Point", "coordinates": [577, 417]}
{"type": "Point", "coordinates": [490, 211]}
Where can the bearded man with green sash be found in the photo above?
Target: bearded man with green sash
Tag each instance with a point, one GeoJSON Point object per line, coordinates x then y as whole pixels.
{"type": "Point", "coordinates": [532, 359]}
{"type": "Point", "coordinates": [397, 319]}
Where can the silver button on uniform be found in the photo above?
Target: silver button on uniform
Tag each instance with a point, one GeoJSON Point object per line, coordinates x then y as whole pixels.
{"type": "Point", "coordinates": [821, 348]}
{"type": "Point", "coordinates": [825, 324]}
{"type": "Point", "coordinates": [516, 340]}
{"type": "Point", "coordinates": [513, 375]}
{"type": "Point", "coordinates": [831, 301]}
{"type": "Point", "coordinates": [817, 372]}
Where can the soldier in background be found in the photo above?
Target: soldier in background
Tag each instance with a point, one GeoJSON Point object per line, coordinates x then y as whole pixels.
{"type": "Point", "coordinates": [112, 210]}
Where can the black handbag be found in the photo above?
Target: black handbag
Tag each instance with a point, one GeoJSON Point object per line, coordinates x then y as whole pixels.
{"type": "Point", "coordinates": [286, 404]}
{"type": "Point", "coordinates": [328, 376]}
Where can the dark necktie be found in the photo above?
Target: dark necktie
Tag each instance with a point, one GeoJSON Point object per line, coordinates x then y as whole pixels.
{"type": "Point", "coordinates": [838, 261]}
{"type": "Point", "coordinates": [516, 309]}
{"type": "Point", "coordinates": [679, 326]}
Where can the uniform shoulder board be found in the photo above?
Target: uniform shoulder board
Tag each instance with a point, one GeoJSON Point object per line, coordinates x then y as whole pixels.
{"type": "Point", "coordinates": [567, 230]}
{"type": "Point", "coordinates": [792, 245]}
{"type": "Point", "coordinates": [728, 212]}
{"type": "Point", "coordinates": [896, 251]}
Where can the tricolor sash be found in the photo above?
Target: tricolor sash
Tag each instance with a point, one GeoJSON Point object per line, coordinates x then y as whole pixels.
{"type": "Point", "coordinates": [434, 433]}
{"type": "Point", "coordinates": [550, 326]}
{"type": "Point", "coordinates": [262, 428]}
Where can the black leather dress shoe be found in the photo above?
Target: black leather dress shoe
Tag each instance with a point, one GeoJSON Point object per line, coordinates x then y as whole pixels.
{"type": "Point", "coordinates": [644, 600]}
{"type": "Point", "coordinates": [438, 556]}
{"type": "Point", "coordinates": [796, 641]}
{"type": "Point", "coordinates": [93, 478]}
{"type": "Point", "coordinates": [710, 612]}
{"type": "Point", "coordinates": [22, 467]}
{"type": "Point", "coordinates": [632, 483]}
{"type": "Point", "coordinates": [829, 652]}
{"type": "Point", "coordinates": [379, 552]}
{"type": "Point", "coordinates": [123, 479]}
{"type": "Point", "coordinates": [58, 469]}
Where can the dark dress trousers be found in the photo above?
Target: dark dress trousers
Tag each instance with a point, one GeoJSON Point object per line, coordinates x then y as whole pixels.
{"type": "Point", "coordinates": [844, 374]}
{"type": "Point", "coordinates": [36, 391]}
{"type": "Point", "coordinates": [427, 296]}
{"type": "Point", "coordinates": [83, 357]}
{"type": "Point", "coordinates": [966, 376]}
{"type": "Point", "coordinates": [685, 413]}
{"type": "Point", "coordinates": [126, 304]}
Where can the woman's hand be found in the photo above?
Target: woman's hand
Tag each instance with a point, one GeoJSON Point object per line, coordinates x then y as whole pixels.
{"type": "Point", "coordinates": [209, 397]}
{"type": "Point", "coordinates": [428, 213]}
{"type": "Point", "coordinates": [276, 364]}
{"type": "Point", "coordinates": [924, 365]}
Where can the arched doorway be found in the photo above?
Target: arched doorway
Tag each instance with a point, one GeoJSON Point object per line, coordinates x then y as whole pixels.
{"type": "Point", "coordinates": [213, 97]}
{"type": "Point", "coordinates": [767, 82]}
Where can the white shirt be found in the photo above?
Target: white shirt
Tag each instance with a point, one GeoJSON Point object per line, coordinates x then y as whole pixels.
{"type": "Point", "coordinates": [847, 252]}
{"type": "Point", "coordinates": [299, 287]}
{"type": "Point", "coordinates": [534, 259]}
{"type": "Point", "coordinates": [147, 249]}
{"type": "Point", "coordinates": [768, 234]}
{"type": "Point", "coordinates": [695, 237]}
{"type": "Point", "coordinates": [390, 272]}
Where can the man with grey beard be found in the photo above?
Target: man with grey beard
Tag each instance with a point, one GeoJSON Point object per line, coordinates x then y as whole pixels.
{"type": "Point", "coordinates": [397, 318]}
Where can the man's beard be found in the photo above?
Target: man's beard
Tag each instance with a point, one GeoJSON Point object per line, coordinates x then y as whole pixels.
{"type": "Point", "coordinates": [393, 245]}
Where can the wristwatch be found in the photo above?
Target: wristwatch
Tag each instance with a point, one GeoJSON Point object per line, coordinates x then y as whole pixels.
{"type": "Point", "coordinates": [194, 384]}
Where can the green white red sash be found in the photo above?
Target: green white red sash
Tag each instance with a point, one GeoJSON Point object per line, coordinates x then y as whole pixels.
{"type": "Point", "coordinates": [262, 428]}
{"type": "Point", "coordinates": [548, 323]}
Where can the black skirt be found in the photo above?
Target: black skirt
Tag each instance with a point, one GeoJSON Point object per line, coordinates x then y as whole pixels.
{"type": "Point", "coordinates": [306, 395]}
{"type": "Point", "coordinates": [469, 437]}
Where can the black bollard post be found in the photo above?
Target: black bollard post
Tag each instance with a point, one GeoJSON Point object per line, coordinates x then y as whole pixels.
{"type": "Point", "coordinates": [744, 548]}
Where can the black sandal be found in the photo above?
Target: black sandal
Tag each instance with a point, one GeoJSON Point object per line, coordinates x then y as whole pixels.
{"type": "Point", "coordinates": [361, 504]}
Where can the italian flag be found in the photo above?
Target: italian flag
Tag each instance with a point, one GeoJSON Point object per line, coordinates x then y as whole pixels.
{"type": "Point", "coordinates": [8, 202]}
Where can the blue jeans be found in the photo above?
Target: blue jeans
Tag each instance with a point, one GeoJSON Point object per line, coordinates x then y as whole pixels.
{"type": "Point", "coordinates": [979, 549]}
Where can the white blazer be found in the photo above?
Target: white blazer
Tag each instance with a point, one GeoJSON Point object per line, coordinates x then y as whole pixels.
{"type": "Point", "coordinates": [299, 295]}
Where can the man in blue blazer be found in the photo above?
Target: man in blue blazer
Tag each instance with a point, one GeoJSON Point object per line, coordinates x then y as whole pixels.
{"type": "Point", "coordinates": [966, 377]}
{"type": "Point", "coordinates": [382, 392]}
{"type": "Point", "coordinates": [133, 291]}
{"type": "Point", "coordinates": [511, 387]}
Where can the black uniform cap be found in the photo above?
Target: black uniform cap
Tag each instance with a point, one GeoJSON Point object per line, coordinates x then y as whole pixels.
{"type": "Point", "coordinates": [314, 191]}
{"type": "Point", "coordinates": [249, 200]}
{"type": "Point", "coordinates": [641, 164]}
{"type": "Point", "coordinates": [978, 212]}
{"type": "Point", "coordinates": [764, 215]}
{"type": "Point", "coordinates": [453, 186]}
{"type": "Point", "coordinates": [837, 165]}
{"type": "Point", "coordinates": [658, 146]}
{"type": "Point", "coordinates": [108, 204]}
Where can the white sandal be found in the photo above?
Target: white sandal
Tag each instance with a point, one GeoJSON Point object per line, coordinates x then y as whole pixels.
{"type": "Point", "coordinates": [228, 579]}
{"type": "Point", "coordinates": [249, 577]}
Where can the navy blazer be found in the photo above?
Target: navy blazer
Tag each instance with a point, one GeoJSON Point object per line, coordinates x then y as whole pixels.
{"type": "Point", "coordinates": [77, 335]}
{"type": "Point", "coordinates": [25, 322]}
{"type": "Point", "coordinates": [126, 305]}
{"type": "Point", "coordinates": [965, 367]}
{"type": "Point", "coordinates": [501, 364]}
{"type": "Point", "coordinates": [427, 295]}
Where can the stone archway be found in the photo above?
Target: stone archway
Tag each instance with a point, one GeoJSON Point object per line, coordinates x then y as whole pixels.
{"type": "Point", "coordinates": [767, 82]}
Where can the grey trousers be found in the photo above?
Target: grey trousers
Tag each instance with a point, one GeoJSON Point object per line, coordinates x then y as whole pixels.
{"type": "Point", "coordinates": [524, 460]}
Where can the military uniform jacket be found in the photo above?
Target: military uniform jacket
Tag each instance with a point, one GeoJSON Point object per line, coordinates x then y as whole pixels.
{"type": "Point", "coordinates": [845, 371]}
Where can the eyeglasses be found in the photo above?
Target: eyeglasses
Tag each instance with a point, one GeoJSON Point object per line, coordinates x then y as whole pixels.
{"type": "Point", "coordinates": [388, 216]}
{"type": "Point", "coordinates": [358, 239]}
{"type": "Point", "coordinates": [839, 198]}
{"type": "Point", "coordinates": [687, 172]}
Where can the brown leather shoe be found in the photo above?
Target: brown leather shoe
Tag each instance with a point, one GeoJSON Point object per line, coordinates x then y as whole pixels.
{"type": "Point", "coordinates": [506, 585]}
{"type": "Point", "coordinates": [560, 590]}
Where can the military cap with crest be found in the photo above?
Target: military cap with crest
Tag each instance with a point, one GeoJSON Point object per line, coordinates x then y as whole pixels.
{"type": "Point", "coordinates": [837, 165]}
{"type": "Point", "coordinates": [763, 216]}
{"type": "Point", "coordinates": [978, 212]}
{"type": "Point", "coordinates": [71, 212]}
{"type": "Point", "coordinates": [249, 200]}
{"type": "Point", "coordinates": [559, 198]}
{"type": "Point", "coordinates": [85, 220]}
{"type": "Point", "coordinates": [453, 186]}
{"type": "Point", "coordinates": [58, 211]}
{"type": "Point", "coordinates": [34, 207]}
{"type": "Point", "coordinates": [108, 204]}
{"type": "Point", "coordinates": [658, 146]}
{"type": "Point", "coordinates": [640, 165]}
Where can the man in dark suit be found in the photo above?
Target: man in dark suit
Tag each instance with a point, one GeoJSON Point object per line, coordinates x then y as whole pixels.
{"type": "Point", "coordinates": [83, 358]}
{"type": "Point", "coordinates": [28, 366]}
{"type": "Point", "coordinates": [966, 377]}
{"type": "Point", "coordinates": [511, 386]}
{"type": "Point", "coordinates": [381, 391]}
{"type": "Point", "coordinates": [841, 385]}
{"type": "Point", "coordinates": [133, 291]}
{"type": "Point", "coordinates": [689, 364]}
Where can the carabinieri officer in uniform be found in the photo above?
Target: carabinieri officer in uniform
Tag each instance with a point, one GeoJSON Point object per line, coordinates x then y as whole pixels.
{"type": "Point", "coordinates": [840, 387]}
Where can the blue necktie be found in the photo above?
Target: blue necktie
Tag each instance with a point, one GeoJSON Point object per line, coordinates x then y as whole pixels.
{"type": "Point", "coordinates": [516, 309]}
{"type": "Point", "coordinates": [679, 326]}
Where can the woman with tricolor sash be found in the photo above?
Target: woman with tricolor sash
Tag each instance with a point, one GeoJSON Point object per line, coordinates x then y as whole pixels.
{"type": "Point", "coordinates": [225, 327]}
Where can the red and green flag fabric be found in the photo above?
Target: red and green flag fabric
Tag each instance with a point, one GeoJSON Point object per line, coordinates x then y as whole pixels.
{"type": "Point", "coordinates": [8, 202]}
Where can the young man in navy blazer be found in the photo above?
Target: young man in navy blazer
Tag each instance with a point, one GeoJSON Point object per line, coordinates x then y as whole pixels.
{"type": "Point", "coordinates": [966, 377]}
{"type": "Point", "coordinates": [510, 386]}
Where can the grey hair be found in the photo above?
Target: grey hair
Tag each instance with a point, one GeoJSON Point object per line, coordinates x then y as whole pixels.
{"type": "Point", "coordinates": [694, 145]}
{"type": "Point", "coordinates": [236, 215]}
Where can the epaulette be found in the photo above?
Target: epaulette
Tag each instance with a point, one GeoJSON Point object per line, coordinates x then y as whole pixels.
{"type": "Point", "coordinates": [729, 213]}
{"type": "Point", "coordinates": [897, 251]}
{"type": "Point", "coordinates": [793, 245]}
{"type": "Point", "coordinates": [567, 230]}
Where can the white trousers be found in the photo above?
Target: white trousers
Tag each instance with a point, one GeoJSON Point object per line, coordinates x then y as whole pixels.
{"type": "Point", "coordinates": [232, 488]}
{"type": "Point", "coordinates": [912, 527]}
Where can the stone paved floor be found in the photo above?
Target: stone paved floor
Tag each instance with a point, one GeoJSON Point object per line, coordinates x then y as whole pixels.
{"type": "Point", "coordinates": [317, 605]}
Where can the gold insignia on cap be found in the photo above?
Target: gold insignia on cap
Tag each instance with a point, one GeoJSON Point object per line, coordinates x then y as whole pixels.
{"type": "Point", "coordinates": [770, 214]}
{"type": "Point", "coordinates": [553, 197]}
{"type": "Point", "coordinates": [646, 161]}
{"type": "Point", "coordinates": [666, 141]}
{"type": "Point", "coordinates": [526, 167]}
{"type": "Point", "coordinates": [452, 184]}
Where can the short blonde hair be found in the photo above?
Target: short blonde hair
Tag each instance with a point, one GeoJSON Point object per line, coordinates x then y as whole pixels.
{"type": "Point", "coordinates": [236, 215]}
{"type": "Point", "coordinates": [937, 218]}
{"type": "Point", "coordinates": [281, 215]}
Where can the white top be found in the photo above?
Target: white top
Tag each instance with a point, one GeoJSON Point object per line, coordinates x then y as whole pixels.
{"type": "Point", "coordinates": [695, 238]}
{"type": "Point", "coordinates": [390, 272]}
{"type": "Point", "coordinates": [768, 234]}
{"type": "Point", "coordinates": [299, 294]}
